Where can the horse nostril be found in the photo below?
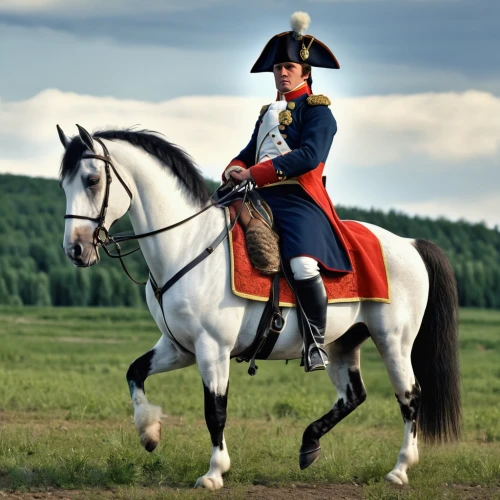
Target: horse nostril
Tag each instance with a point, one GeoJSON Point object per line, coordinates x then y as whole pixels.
{"type": "Point", "coordinates": [77, 250]}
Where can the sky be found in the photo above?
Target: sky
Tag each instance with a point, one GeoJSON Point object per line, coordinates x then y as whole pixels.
{"type": "Point", "coordinates": [416, 99]}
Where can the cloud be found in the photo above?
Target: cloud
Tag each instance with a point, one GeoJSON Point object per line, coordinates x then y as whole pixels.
{"type": "Point", "coordinates": [28, 5]}
{"type": "Point", "coordinates": [435, 135]}
{"type": "Point", "coordinates": [383, 1]}
{"type": "Point", "coordinates": [32, 60]}
{"type": "Point", "coordinates": [207, 127]}
{"type": "Point", "coordinates": [486, 209]}
{"type": "Point", "coordinates": [96, 8]}
{"type": "Point", "coordinates": [447, 127]}
{"type": "Point", "coordinates": [383, 48]}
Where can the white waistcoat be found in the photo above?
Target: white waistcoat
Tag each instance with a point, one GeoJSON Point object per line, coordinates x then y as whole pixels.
{"type": "Point", "coordinates": [270, 142]}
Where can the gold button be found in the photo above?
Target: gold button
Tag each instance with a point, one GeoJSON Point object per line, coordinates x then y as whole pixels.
{"type": "Point", "coordinates": [291, 105]}
{"type": "Point", "coordinates": [284, 136]}
{"type": "Point", "coordinates": [282, 127]}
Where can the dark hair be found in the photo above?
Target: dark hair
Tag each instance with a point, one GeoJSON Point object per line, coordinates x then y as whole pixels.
{"type": "Point", "coordinates": [307, 68]}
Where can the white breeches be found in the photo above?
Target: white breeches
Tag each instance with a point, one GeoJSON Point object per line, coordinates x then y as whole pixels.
{"type": "Point", "coordinates": [304, 268]}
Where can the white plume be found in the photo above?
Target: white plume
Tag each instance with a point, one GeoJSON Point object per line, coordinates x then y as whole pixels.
{"type": "Point", "coordinates": [300, 21]}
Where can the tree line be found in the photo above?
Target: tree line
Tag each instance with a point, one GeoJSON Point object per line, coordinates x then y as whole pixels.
{"type": "Point", "coordinates": [35, 271]}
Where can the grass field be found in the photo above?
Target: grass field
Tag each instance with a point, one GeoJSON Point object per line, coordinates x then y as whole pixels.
{"type": "Point", "coordinates": [66, 418]}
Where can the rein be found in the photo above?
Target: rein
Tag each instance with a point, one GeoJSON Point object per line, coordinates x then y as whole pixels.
{"type": "Point", "coordinates": [102, 238]}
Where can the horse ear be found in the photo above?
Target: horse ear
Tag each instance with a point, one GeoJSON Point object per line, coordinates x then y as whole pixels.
{"type": "Point", "coordinates": [86, 138]}
{"type": "Point", "coordinates": [62, 136]}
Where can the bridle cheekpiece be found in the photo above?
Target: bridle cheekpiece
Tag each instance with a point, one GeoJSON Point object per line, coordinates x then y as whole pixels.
{"type": "Point", "coordinates": [101, 230]}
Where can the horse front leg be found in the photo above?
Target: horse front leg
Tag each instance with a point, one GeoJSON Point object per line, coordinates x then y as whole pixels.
{"type": "Point", "coordinates": [213, 362]}
{"type": "Point", "coordinates": [164, 357]}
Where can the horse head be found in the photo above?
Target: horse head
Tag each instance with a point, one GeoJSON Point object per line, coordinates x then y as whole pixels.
{"type": "Point", "coordinates": [92, 206]}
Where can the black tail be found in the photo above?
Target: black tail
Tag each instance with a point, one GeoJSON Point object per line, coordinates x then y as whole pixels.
{"type": "Point", "coordinates": [435, 357]}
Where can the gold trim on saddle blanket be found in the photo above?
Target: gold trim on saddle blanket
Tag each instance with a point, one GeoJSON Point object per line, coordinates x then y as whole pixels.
{"type": "Point", "coordinates": [289, 304]}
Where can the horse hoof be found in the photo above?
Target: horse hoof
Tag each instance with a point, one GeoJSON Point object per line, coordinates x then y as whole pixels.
{"type": "Point", "coordinates": [151, 437]}
{"type": "Point", "coordinates": [208, 483]}
{"type": "Point", "coordinates": [396, 477]}
{"type": "Point", "coordinates": [150, 446]}
{"type": "Point", "coordinates": [307, 458]}
{"type": "Point", "coordinates": [147, 420]}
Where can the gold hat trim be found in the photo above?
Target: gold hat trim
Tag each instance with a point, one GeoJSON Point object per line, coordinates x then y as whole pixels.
{"type": "Point", "coordinates": [304, 52]}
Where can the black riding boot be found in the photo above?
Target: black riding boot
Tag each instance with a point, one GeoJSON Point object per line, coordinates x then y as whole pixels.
{"type": "Point", "coordinates": [312, 296]}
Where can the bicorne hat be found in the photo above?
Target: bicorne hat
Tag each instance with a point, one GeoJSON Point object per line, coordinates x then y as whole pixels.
{"type": "Point", "coordinates": [295, 46]}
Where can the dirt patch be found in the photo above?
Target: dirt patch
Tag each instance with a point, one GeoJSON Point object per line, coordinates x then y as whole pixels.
{"type": "Point", "coordinates": [296, 492]}
{"type": "Point", "coordinates": [304, 492]}
{"type": "Point", "coordinates": [256, 492]}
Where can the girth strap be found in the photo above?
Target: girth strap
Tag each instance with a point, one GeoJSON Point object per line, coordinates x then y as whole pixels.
{"type": "Point", "coordinates": [277, 323]}
{"type": "Point", "coordinates": [270, 326]}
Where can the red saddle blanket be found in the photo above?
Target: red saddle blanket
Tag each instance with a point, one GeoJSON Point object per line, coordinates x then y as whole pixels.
{"type": "Point", "coordinates": [369, 281]}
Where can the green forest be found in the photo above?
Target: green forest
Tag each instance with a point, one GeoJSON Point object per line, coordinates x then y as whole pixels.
{"type": "Point", "coordinates": [35, 271]}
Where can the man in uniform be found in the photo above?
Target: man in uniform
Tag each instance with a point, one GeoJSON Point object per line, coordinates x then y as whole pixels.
{"type": "Point", "coordinates": [285, 158]}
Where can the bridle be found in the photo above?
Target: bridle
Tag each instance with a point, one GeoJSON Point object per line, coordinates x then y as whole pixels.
{"type": "Point", "coordinates": [101, 230]}
{"type": "Point", "coordinates": [102, 238]}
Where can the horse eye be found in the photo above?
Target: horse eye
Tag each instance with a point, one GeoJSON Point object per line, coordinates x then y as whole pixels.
{"type": "Point", "coordinates": [93, 181]}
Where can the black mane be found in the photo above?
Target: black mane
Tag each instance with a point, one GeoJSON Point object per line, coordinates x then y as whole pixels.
{"type": "Point", "coordinates": [169, 155]}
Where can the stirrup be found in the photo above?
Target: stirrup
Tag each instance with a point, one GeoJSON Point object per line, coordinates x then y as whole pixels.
{"type": "Point", "coordinates": [316, 359]}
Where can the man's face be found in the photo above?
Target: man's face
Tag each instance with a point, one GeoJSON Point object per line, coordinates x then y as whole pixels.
{"type": "Point", "coordinates": [288, 75]}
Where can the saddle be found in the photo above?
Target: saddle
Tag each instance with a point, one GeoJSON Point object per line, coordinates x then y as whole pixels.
{"type": "Point", "coordinates": [256, 219]}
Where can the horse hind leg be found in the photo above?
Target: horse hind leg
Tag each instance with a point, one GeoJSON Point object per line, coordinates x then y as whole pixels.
{"type": "Point", "coordinates": [396, 353]}
{"type": "Point", "coordinates": [164, 357]}
{"type": "Point", "coordinates": [344, 372]}
{"type": "Point", "coordinates": [408, 455]}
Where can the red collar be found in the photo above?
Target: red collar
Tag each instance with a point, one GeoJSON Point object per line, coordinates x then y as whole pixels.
{"type": "Point", "coordinates": [293, 94]}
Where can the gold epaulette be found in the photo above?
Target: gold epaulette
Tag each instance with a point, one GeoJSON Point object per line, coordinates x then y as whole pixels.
{"type": "Point", "coordinates": [318, 100]}
{"type": "Point", "coordinates": [264, 109]}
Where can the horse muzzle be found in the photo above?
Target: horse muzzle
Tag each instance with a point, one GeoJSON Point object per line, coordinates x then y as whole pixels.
{"type": "Point", "coordinates": [82, 255]}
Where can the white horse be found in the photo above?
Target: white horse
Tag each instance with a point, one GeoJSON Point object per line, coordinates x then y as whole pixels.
{"type": "Point", "coordinates": [157, 183]}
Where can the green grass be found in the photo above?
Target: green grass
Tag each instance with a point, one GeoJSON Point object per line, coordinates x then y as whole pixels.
{"type": "Point", "coordinates": [66, 418]}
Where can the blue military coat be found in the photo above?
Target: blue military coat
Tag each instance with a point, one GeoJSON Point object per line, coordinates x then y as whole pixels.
{"type": "Point", "coordinates": [303, 213]}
